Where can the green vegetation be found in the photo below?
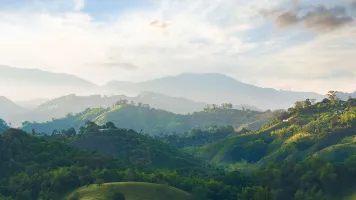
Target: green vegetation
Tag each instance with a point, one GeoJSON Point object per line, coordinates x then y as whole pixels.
{"type": "Point", "coordinates": [129, 191]}
{"type": "Point", "coordinates": [3, 126]}
{"type": "Point", "coordinates": [305, 153]}
{"type": "Point", "coordinates": [149, 120]}
{"type": "Point", "coordinates": [196, 137]}
{"type": "Point", "coordinates": [48, 168]}
{"type": "Point", "coordinates": [134, 148]}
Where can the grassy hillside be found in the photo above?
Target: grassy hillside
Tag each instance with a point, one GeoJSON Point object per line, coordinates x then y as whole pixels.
{"type": "Point", "coordinates": [131, 191]}
{"type": "Point", "coordinates": [310, 156]}
{"type": "Point", "coordinates": [318, 130]}
{"type": "Point", "coordinates": [148, 120]}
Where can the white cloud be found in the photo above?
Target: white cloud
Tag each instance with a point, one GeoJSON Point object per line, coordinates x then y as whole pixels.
{"type": "Point", "coordinates": [79, 4]}
{"type": "Point", "coordinates": [200, 36]}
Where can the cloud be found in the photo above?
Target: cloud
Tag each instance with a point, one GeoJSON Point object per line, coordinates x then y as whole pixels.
{"type": "Point", "coordinates": [111, 64]}
{"type": "Point", "coordinates": [158, 24]}
{"type": "Point", "coordinates": [353, 4]}
{"type": "Point", "coordinates": [322, 18]}
{"type": "Point", "coordinates": [287, 19]}
{"type": "Point", "coordinates": [199, 36]}
{"type": "Point", "coordinates": [79, 4]}
{"type": "Point", "coordinates": [319, 18]}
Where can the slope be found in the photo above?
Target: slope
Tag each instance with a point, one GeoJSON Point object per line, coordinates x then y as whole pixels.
{"type": "Point", "coordinates": [322, 130]}
{"type": "Point", "coordinates": [9, 108]}
{"type": "Point", "coordinates": [216, 88]}
{"type": "Point", "coordinates": [148, 120]}
{"type": "Point", "coordinates": [131, 191]}
{"type": "Point", "coordinates": [134, 148]}
{"type": "Point", "coordinates": [14, 82]}
{"type": "Point", "coordinates": [3, 126]}
{"type": "Point", "coordinates": [63, 105]}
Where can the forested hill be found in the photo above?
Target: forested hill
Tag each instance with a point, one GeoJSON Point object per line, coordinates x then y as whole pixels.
{"type": "Point", "coordinates": [3, 126]}
{"type": "Point", "coordinates": [134, 148]}
{"type": "Point", "coordinates": [149, 120]}
{"type": "Point", "coordinates": [305, 153]}
{"type": "Point", "coordinates": [33, 168]}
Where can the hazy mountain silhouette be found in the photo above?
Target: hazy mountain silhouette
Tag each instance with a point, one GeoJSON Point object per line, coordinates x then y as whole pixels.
{"type": "Point", "coordinates": [16, 82]}
{"type": "Point", "coordinates": [9, 108]}
{"type": "Point", "coordinates": [217, 88]}
{"type": "Point", "coordinates": [61, 106]}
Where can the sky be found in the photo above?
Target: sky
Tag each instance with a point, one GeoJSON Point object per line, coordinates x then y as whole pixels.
{"type": "Point", "coordinates": [305, 45]}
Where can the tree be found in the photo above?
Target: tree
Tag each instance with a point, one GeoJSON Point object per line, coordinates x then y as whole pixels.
{"type": "Point", "coordinates": [307, 103]}
{"type": "Point", "coordinates": [118, 196]}
{"type": "Point", "coordinates": [280, 115]}
{"type": "Point", "coordinates": [110, 125]}
{"type": "Point", "coordinates": [33, 131]}
{"type": "Point", "coordinates": [213, 106]}
{"type": "Point", "coordinates": [70, 132]}
{"type": "Point", "coordinates": [132, 103]}
{"type": "Point", "coordinates": [99, 182]}
{"type": "Point", "coordinates": [332, 96]}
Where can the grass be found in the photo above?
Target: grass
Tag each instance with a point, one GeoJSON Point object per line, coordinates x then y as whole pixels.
{"type": "Point", "coordinates": [131, 190]}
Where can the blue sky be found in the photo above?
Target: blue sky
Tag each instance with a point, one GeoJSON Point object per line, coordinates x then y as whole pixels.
{"type": "Point", "coordinates": [262, 42]}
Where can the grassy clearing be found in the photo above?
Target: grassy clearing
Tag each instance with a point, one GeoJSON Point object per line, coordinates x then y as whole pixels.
{"type": "Point", "coordinates": [131, 190]}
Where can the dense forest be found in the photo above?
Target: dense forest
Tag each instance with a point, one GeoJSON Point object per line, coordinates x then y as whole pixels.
{"type": "Point", "coordinates": [142, 118]}
{"type": "Point", "coordinates": [305, 152]}
{"type": "Point", "coordinates": [3, 126]}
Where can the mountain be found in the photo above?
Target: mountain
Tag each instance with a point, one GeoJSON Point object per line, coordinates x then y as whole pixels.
{"type": "Point", "coordinates": [149, 120]}
{"type": "Point", "coordinates": [305, 153]}
{"type": "Point", "coordinates": [322, 130]}
{"type": "Point", "coordinates": [31, 104]}
{"type": "Point", "coordinates": [61, 106]}
{"type": "Point", "coordinates": [15, 82]}
{"type": "Point", "coordinates": [216, 88]}
{"type": "Point", "coordinates": [9, 108]}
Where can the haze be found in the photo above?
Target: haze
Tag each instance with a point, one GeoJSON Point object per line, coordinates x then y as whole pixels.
{"type": "Point", "coordinates": [299, 46]}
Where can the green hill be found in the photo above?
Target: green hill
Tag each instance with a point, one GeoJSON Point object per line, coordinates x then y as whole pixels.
{"type": "Point", "coordinates": [148, 120]}
{"type": "Point", "coordinates": [132, 147]}
{"type": "Point", "coordinates": [35, 168]}
{"type": "Point", "coordinates": [317, 130]}
{"type": "Point", "coordinates": [3, 126]}
{"type": "Point", "coordinates": [305, 153]}
{"type": "Point", "coordinates": [131, 191]}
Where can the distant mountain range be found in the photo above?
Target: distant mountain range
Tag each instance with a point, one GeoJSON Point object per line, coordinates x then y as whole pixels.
{"type": "Point", "coordinates": [216, 88]}
{"type": "Point", "coordinates": [205, 87]}
{"type": "Point", "coordinates": [61, 106]}
{"type": "Point", "coordinates": [34, 83]}
{"type": "Point", "coordinates": [9, 108]}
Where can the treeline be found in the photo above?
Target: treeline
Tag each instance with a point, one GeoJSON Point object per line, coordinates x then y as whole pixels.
{"type": "Point", "coordinates": [35, 168]}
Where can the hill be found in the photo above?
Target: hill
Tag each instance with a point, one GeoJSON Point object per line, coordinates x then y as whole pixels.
{"type": "Point", "coordinates": [131, 191]}
{"type": "Point", "coordinates": [9, 108]}
{"type": "Point", "coordinates": [49, 168]}
{"type": "Point", "coordinates": [3, 126]}
{"type": "Point", "coordinates": [61, 106]}
{"type": "Point", "coordinates": [323, 130]}
{"type": "Point", "coordinates": [307, 152]}
{"type": "Point", "coordinates": [14, 82]}
{"type": "Point", "coordinates": [215, 88]}
{"type": "Point", "coordinates": [149, 120]}
{"type": "Point", "coordinates": [134, 148]}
